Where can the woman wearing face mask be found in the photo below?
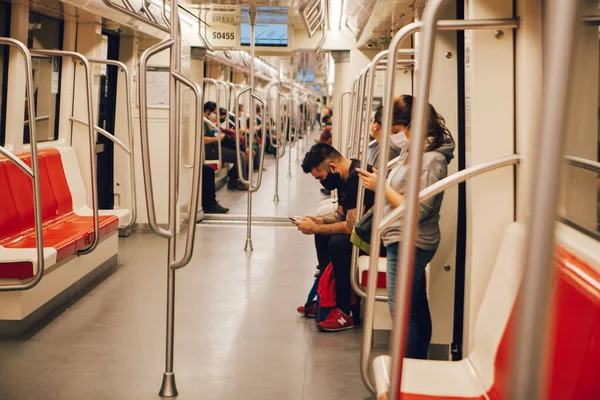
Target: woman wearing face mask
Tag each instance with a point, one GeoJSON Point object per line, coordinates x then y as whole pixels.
{"type": "Point", "coordinates": [397, 139]}
{"type": "Point", "coordinates": [438, 152]}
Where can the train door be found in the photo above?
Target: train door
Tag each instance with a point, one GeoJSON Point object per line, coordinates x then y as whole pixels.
{"type": "Point", "coordinates": [106, 120]}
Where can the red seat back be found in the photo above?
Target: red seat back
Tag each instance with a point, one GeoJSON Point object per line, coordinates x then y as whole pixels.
{"type": "Point", "coordinates": [16, 202]}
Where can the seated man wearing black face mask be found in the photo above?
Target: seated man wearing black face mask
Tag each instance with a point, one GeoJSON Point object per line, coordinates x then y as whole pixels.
{"type": "Point", "coordinates": [332, 233]}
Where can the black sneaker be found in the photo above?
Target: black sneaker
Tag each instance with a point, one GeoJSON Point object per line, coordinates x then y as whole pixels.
{"type": "Point", "coordinates": [215, 208]}
{"type": "Point", "coordinates": [326, 192]}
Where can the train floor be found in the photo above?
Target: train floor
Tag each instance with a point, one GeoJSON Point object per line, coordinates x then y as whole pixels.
{"type": "Point", "coordinates": [238, 335]}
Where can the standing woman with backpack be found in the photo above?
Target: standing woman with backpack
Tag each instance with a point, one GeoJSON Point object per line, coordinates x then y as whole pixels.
{"type": "Point", "coordinates": [438, 151]}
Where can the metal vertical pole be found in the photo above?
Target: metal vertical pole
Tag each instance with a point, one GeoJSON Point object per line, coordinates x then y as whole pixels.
{"type": "Point", "coordinates": [529, 372]}
{"type": "Point", "coordinates": [278, 148]}
{"type": "Point", "coordinates": [419, 118]}
{"type": "Point", "coordinates": [168, 387]}
{"type": "Point", "coordinates": [252, 17]}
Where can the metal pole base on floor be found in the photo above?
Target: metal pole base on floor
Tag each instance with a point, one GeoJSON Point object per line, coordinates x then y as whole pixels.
{"type": "Point", "coordinates": [168, 387]}
{"type": "Point", "coordinates": [248, 246]}
{"type": "Point", "coordinates": [276, 198]}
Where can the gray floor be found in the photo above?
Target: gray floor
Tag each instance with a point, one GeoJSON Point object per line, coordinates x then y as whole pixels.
{"type": "Point", "coordinates": [237, 332]}
{"type": "Point", "coordinates": [297, 195]}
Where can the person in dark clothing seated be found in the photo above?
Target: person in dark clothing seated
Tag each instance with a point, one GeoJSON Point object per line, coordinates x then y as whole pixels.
{"type": "Point", "coordinates": [211, 137]}
{"type": "Point", "coordinates": [210, 205]}
{"type": "Point", "coordinates": [332, 233]}
{"type": "Point", "coordinates": [326, 134]}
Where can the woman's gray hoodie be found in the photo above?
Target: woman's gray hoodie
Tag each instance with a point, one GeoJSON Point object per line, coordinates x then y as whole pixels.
{"type": "Point", "coordinates": [435, 168]}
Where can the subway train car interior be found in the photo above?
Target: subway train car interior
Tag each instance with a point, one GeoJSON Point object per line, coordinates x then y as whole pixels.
{"type": "Point", "coordinates": [300, 199]}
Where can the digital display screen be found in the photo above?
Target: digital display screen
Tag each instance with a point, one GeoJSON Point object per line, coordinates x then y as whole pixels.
{"type": "Point", "coordinates": [308, 76]}
{"type": "Point", "coordinates": [271, 27]}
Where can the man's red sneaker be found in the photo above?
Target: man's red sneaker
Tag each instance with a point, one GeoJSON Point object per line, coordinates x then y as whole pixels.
{"type": "Point", "coordinates": [337, 320]}
{"type": "Point", "coordinates": [309, 311]}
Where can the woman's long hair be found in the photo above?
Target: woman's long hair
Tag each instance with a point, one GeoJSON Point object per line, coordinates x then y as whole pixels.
{"type": "Point", "coordinates": [437, 132]}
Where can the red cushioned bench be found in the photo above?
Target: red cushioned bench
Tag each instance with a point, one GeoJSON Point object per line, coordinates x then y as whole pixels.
{"type": "Point", "coordinates": [485, 372]}
{"type": "Point", "coordinates": [65, 231]}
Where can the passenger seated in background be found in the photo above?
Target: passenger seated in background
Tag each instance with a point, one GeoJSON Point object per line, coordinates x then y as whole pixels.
{"type": "Point", "coordinates": [332, 233]}
{"type": "Point", "coordinates": [211, 137]}
{"type": "Point", "coordinates": [397, 141]}
{"type": "Point", "coordinates": [438, 152]}
{"type": "Point", "coordinates": [326, 134]}
{"type": "Point", "coordinates": [210, 205]}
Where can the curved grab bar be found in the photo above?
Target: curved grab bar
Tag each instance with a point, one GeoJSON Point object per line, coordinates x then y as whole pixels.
{"type": "Point", "coordinates": [149, 52]}
{"type": "Point", "coordinates": [414, 171]}
{"type": "Point", "coordinates": [237, 139]}
{"type": "Point", "coordinates": [428, 192]}
{"type": "Point", "coordinates": [196, 174]}
{"type": "Point", "coordinates": [216, 84]}
{"type": "Point", "coordinates": [282, 130]}
{"type": "Point", "coordinates": [341, 119]}
{"type": "Point", "coordinates": [132, 179]}
{"type": "Point", "coordinates": [360, 196]}
{"type": "Point", "coordinates": [37, 119]}
{"type": "Point", "coordinates": [454, 179]}
{"type": "Point", "coordinates": [32, 172]}
{"type": "Point", "coordinates": [370, 73]}
{"type": "Point", "coordinates": [92, 138]}
{"type": "Point", "coordinates": [351, 119]}
{"type": "Point", "coordinates": [104, 133]}
{"type": "Point", "coordinates": [261, 162]}
{"type": "Point", "coordinates": [384, 143]}
{"type": "Point", "coordinates": [268, 111]}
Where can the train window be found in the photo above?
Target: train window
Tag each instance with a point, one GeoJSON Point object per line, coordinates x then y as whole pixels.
{"type": "Point", "coordinates": [4, 31]}
{"type": "Point", "coordinates": [580, 203]}
{"type": "Point", "coordinates": [45, 33]}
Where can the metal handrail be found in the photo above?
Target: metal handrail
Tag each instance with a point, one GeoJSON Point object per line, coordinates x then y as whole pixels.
{"type": "Point", "coordinates": [351, 120]}
{"type": "Point", "coordinates": [216, 84]}
{"type": "Point", "coordinates": [196, 174]}
{"type": "Point", "coordinates": [37, 119]}
{"type": "Point", "coordinates": [32, 172]}
{"type": "Point", "coordinates": [263, 131]}
{"type": "Point", "coordinates": [340, 113]}
{"type": "Point", "coordinates": [132, 179]}
{"type": "Point", "coordinates": [276, 128]}
{"type": "Point", "coordinates": [168, 387]}
{"type": "Point", "coordinates": [427, 193]}
{"type": "Point", "coordinates": [92, 138]}
{"type": "Point", "coordinates": [104, 133]}
{"type": "Point", "coordinates": [534, 325]}
{"type": "Point", "coordinates": [416, 143]}
{"type": "Point", "coordinates": [584, 163]}
{"type": "Point", "coordinates": [238, 95]}
{"type": "Point", "coordinates": [377, 60]}
{"type": "Point", "coordinates": [452, 180]}
{"type": "Point", "coordinates": [147, 170]}
{"type": "Point", "coordinates": [290, 132]}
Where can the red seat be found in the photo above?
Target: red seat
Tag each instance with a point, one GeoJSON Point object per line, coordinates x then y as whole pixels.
{"type": "Point", "coordinates": [63, 230]}
{"type": "Point", "coordinates": [575, 345]}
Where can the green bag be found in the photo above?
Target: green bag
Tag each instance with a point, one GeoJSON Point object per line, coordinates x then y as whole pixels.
{"type": "Point", "coordinates": [361, 234]}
